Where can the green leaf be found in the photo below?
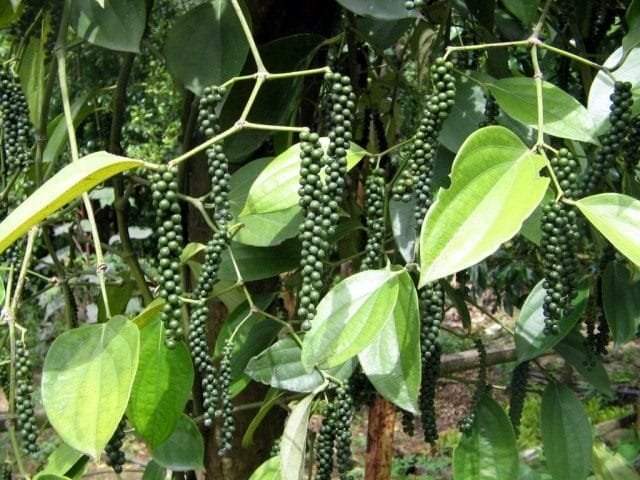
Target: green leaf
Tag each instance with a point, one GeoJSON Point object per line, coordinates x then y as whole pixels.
{"type": "Point", "coordinates": [64, 186]}
{"type": "Point", "coordinates": [381, 9]}
{"type": "Point", "coordinates": [608, 465]}
{"type": "Point", "coordinates": [489, 452]}
{"type": "Point", "coordinates": [8, 12]}
{"type": "Point", "coordinates": [531, 340]}
{"type": "Point", "coordinates": [574, 350]}
{"type": "Point", "coordinates": [392, 361]}
{"type": "Point", "coordinates": [403, 227]}
{"type": "Point", "coordinates": [118, 25]}
{"type": "Point", "coordinates": [563, 115]}
{"type": "Point", "coordinates": [621, 301]}
{"type": "Point", "coordinates": [280, 367]}
{"type": "Point", "coordinates": [632, 17]}
{"type": "Point", "coordinates": [566, 434]}
{"type": "Point", "coordinates": [32, 73]}
{"type": "Point", "coordinates": [162, 386]}
{"type": "Point", "coordinates": [495, 186]}
{"type": "Point", "coordinates": [206, 46]}
{"type": "Point", "coordinates": [254, 335]}
{"type": "Point", "coordinates": [269, 470]}
{"type": "Point", "coordinates": [2, 292]}
{"type": "Point", "coordinates": [257, 263]}
{"type": "Point", "coordinates": [119, 295]}
{"type": "Point", "coordinates": [86, 382]}
{"type": "Point", "coordinates": [154, 471]}
{"type": "Point", "coordinates": [294, 440]}
{"type": "Point", "coordinates": [349, 318]}
{"type": "Point", "coordinates": [617, 217]}
{"type": "Point", "coordinates": [149, 313]}
{"type": "Point", "coordinates": [276, 188]}
{"type": "Point", "coordinates": [183, 450]}
{"type": "Point", "coordinates": [60, 461]}
{"type": "Point", "coordinates": [467, 112]}
{"type": "Point", "coordinates": [602, 86]}
{"type": "Point", "coordinates": [525, 11]}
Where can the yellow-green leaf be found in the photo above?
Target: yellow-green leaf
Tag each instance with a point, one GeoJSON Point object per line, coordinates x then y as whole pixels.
{"type": "Point", "coordinates": [64, 186]}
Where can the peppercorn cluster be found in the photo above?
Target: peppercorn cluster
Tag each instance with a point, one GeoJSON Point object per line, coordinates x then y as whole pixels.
{"type": "Point", "coordinates": [612, 143]}
{"type": "Point", "coordinates": [25, 412]}
{"type": "Point", "coordinates": [335, 437]}
{"type": "Point", "coordinates": [320, 196]}
{"type": "Point", "coordinates": [425, 145]}
{"type": "Point", "coordinates": [560, 234]}
{"type": "Point", "coordinates": [225, 412]}
{"type": "Point", "coordinates": [518, 388]}
{"type": "Point", "coordinates": [491, 111]}
{"type": "Point", "coordinates": [218, 168]}
{"type": "Point", "coordinates": [113, 449]}
{"type": "Point", "coordinates": [374, 191]}
{"type": "Point", "coordinates": [466, 423]}
{"type": "Point", "coordinates": [164, 186]}
{"type": "Point", "coordinates": [16, 130]}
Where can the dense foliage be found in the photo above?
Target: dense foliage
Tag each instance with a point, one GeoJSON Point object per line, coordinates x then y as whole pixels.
{"type": "Point", "coordinates": [215, 235]}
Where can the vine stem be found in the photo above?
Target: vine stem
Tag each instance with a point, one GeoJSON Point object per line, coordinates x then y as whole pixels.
{"type": "Point", "coordinates": [538, 78]}
{"type": "Point", "coordinates": [73, 146]}
{"type": "Point", "coordinates": [10, 313]}
{"type": "Point", "coordinates": [249, 36]}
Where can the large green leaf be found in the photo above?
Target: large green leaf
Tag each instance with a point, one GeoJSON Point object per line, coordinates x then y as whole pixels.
{"type": "Point", "coordinates": [269, 470]}
{"type": "Point", "coordinates": [465, 116]}
{"type": "Point", "coordinates": [60, 461]}
{"type": "Point", "coordinates": [162, 385]}
{"type": "Point", "coordinates": [563, 115]}
{"type": "Point", "coordinates": [578, 353]}
{"type": "Point", "coordinates": [531, 340]}
{"type": "Point", "coordinates": [381, 9]}
{"type": "Point", "coordinates": [280, 367]}
{"type": "Point", "coordinates": [489, 452]}
{"type": "Point", "coordinates": [206, 46]}
{"type": "Point", "coordinates": [257, 263]}
{"type": "Point", "coordinates": [154, 471]}
{"type": "Point", "coordinates": [495, 185]}
{"type": "Point", "coordinates": [350, 317]}
{"type": "Point", "coordinates": [621, 301]}
{"type": "Point", "coordinates": [276, 188]}
{"type": "Point", "coordinates": [392, 361]}
{"type": "Point", "coordinates": [566, 434]}
{"type": "Point", "coordinates": [64, 186]}
{"type": "Point", "coordinates": [609, 465]}
{"type": "Point", "coordinates": [87, 378]}
{"type": "Point", "coordinates": [599, 101]}
{"type": "Point", "coordinates": [183, 450]}
{"type": "Point", "coordinates": [632, 38]}
{"type": "Point", "coordinates": [118, 25]}
{"type": "Point", "coordinates": [294, 440]}
{"type": "Point", "coordinates": [262, 229]}
{"type": "Point", "coordinates": [617, 217]}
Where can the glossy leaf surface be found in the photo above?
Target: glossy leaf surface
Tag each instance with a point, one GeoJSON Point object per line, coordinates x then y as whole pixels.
{"type": "Point", "coordinates": [495, 186]}
{"type": "Point", "coordinates": [87, 378]}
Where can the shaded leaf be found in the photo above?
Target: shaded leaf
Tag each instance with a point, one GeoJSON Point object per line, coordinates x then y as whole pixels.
{"type": "Point", "coordinates": [566, 434]}
{"type": "Point", "coordinates": [609, 465]}
{"type": "Point", "coordinates": [531, 340]}
{"type": "Point", "coordinates": [575, 351]}
{"type": "Point", "coordinates": [197, 46]}
{"type": "Point", "coordinates": [183, 450]}
{"type": "Point", "coordinates": [63, 187]}
{"type": "Point", "coordinates": [621, 301]}
{"type": "Point", "coordinates": [381, 9]}
{"type": "Point", "coordinates": [617, 217]}
{"type": "Point", "coordinates": [349, 317]}
{"type": "Point", "coordinates": [563, 115]}
{"type": "Point", "coordinates": [257, 263]}
{"type": "Point", "coordinates": [154, 471]}
{"type": "Point", "coordinates": [489, 452]}
{"type": "Point", "coordinates": [495, 186]}
{"type": "Point", "coordinates": [117, 25]}
{"type": "Point", "coordinates": [280, 366]}
{"type": "Point", "coordinates": [270, 400]}
{"type": "Point", "coordinates": [161, 387]}
{"type": "Point", "coordinates": [87, 378]}
{"type": "Point", "coordinates": [392, 361]}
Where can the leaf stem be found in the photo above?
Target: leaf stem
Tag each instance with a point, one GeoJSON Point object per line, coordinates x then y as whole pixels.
{"type": "Point", "coordinates": [73, 145]}
{"type": "Point", "coordinates": [538, 76]}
